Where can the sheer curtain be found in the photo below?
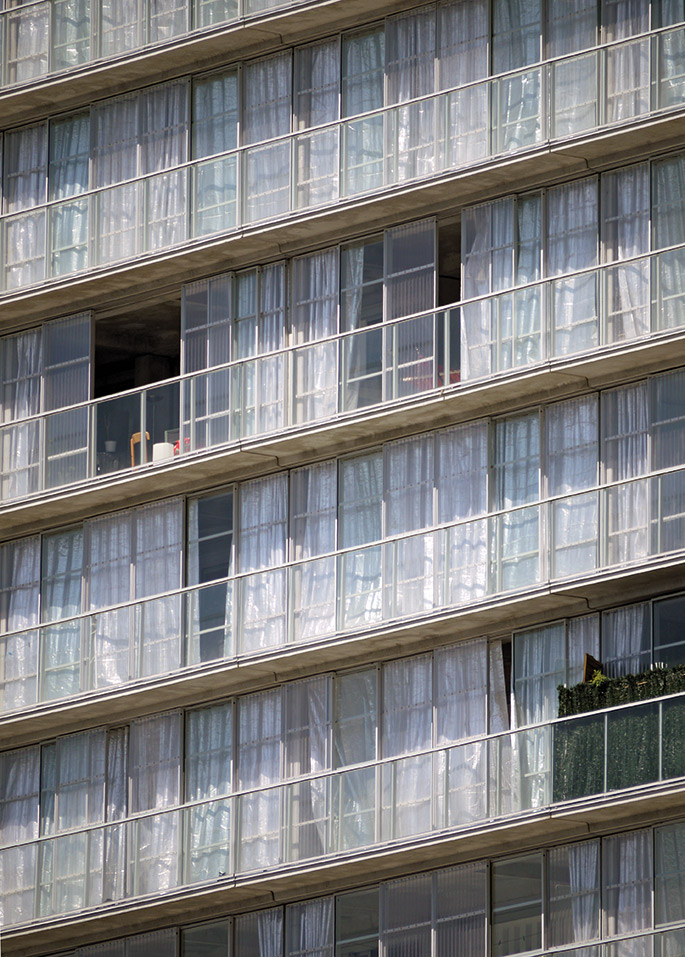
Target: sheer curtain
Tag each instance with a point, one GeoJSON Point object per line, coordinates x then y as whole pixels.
{"type": "Point", "coordinates": [309, 929]}
{"type": "Point", "coordinates": [463, 36]}
{"type": "Point", "coordinates": [262, 527]}
{"type": "Point", "coordinates": [410, 470]}
{"type": "Point", "coordinates": [517, 28]}
{"type": "Point", "coordinates": [117, 806]}
{"type": "Point", "coordinates": [28, 41]}
{"type": "Point", "coordinates": [164, 137]}
{"type": "Point", "coordinates": [267, 105]}
{"type": "Point", "coordinates": [668, 183]}
{"type": "Point", "coordinates": [410, 68]}
{"type": "Point", "coordinates": [462, 469]}
{"type": "Point", "coordinates": [116, 125]}
{"type": "Point", "coordinates": [359, 522]}
{"type": "Point", "coordinates": [572, 466]}
{"type": "Point", "coordinates": [625, 452]}
{"type": "Point", "coordinates": [260, 934]}
{"type": "Point", "coordinates": [517, 470]}
{"type": "Point", "coordinates": [627, 867]}
{"type": "Point", "coordinates": [488, 245]}
{"type": "Point", "coordinates": [315, 316]}
{"type": "Point", "coordinates": [21, 363]}
{"type": "Point", "coordinates": [316, 98]}
{"type": "Point", "coordinates": [572, 242]}
{"type": "Point", "coordinates": [157, 557]}
{"type": "Point", "coordinates": [628, 63]}
{"type": "Point", "coordinates": [572, 26]}
{"type": "Point", "coordinates": [461, 674]}
{"type": "Point", "coordinates": [626, 640]}
{"type": "Point", "coordinates": [574, 893]}
{"type": "Point", "coordinates": [25, 187]}
{"type": "Point", "coordinates": [209, 752]}
{"type": "Point", "coordinates": [362, 91]}
{"type": "Point", "coordinates": [307, 727]}
{"type": "Point", "coordinates": [109, 573]}
{"type": "Point", "coordinates": [69, 162]}
{"type": "Point", "coordinates": [313, 513]}
{"type": "Point", "coordinates": [270, 371]}
{"type": "Point", "coordinates": [154, 764]}
{"type": "Point", "coordinates": [19, 593]}
{"type": "Point", "coordinates": [259, 766]}
{"type": "Point", "coordinates": [61, 597]}
{"type": "Point", "coordinates": [215, 130]}
{"type": "Point", "coordinates": [625, 225]}
{"type": "Point", "coordinates": [406, 726]}
{"type": "Point", "coordinates": [19, 822]}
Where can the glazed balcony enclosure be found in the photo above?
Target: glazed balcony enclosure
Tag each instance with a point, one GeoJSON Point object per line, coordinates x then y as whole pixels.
{"type": "Point", "coordinates": [133, 206]}
{"type": "Point", "coordinates": [438, 791]}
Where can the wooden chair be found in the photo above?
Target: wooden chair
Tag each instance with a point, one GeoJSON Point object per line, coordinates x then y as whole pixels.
{"type": "Point", "coordinates": [135, 440]}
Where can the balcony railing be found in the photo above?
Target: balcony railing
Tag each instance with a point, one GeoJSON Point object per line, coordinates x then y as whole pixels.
{"type": "Point", "coordinates": [403, 578]}
{"type": "Point", "coordinates": [391, 362]}
{"type": "Point", "coordinates": [46, 36]}
{"type": "Point", "coordinates": [392, 146]}
{"type": "Point", "coordinates": [327, 815]}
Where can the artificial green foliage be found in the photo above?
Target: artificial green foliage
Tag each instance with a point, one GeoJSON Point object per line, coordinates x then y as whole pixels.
{"type": "Point", "coordinates": [609, 692]}
{"type": "Point", "coordinates": [632, 735]}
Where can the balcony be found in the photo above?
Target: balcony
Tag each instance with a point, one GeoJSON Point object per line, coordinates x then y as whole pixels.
{"type": "Point", "coordinates": [406, 578]}
{"type": "Point", "coordinates": [276, 180]}
{"type": "Point", "coordinates": [341, 813]}
{"type": "Point", "coordinates": [538, 326]}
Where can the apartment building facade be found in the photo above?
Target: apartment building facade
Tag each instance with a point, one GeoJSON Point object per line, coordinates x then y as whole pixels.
{"type": "Point", "coordinates": [342, 368]}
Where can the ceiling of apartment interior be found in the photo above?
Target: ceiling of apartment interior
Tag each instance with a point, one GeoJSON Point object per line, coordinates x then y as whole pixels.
{"type": "Point", "coordinates": [146, 329]}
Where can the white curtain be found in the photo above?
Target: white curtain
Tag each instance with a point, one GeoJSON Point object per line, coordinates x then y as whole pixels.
{"type": "Point", "coordinates": [410, 66]}
{"type": "Point", "coordinates": [71, 34]}
{"type": "Point", "coordinates": [28, 41]}
{"type": "Point", "coordinates": [464, 31]}
{"type": "Point", "coordinates": [25, 182]}
{"type": "Point", "coordinates": [462, 494]}
{"type": "Point", "coordinates": [517, 468]}
{"type": "Point", "coordinates": [264, 379]}
{"type": "Point", "coordinates": [69, 162]}
{"type": "Point", "coordinates": [517, 27]}
{"type": "Point", "coordinates": [626, 640]}
{"type": "Point", "coordinates": [574, 894]}
{"type": "Point", "coordinates": [315, 316]}
{"type": "Point", "coordinates": [309, 929]}
{"type": "Point", "coordinates": [307, 726]}
{"type": "Point", "coordinates": [407, 708]}
{"type": "Point", "coordinates": [120, 26]}
{"type": "Point", "coordinates": [209, 747]}
{"type": "Point", "coordinates": [363, 90]}
{"type": "Point", "coordinates": [668, 183]}
{"type": "Point", "coordinates": [61, 598]}
{"type": "Point", "coordinates": [360, 521]}
{"type": "Point", "coordinates": [410, 470]}
{"type": "Point", "coordinates": [164, 137]}
{"type": "Point", "coordinates": [572, 466]}
{"type": "Point", "coordinates": [167, 19]}
{"type": "Point", "coordinates": [158, 543]}
{"type": "Point", "coordinates": [626, 198]}
{"type": "Point", "coordinates": [262, 527]}
{"type": "Point", "coordinates": [19, 822]}
{"type": "Point", "coordinates": [627, 867]}
{"type": "Point", "coordinates": [313, 514]}
{"type": "Point", "coordinates": [267, 105]}
{"type": "Point", "coordinates": [354, 742]}
{"type": "Point", "coordinates": [317, 84]}
{"type": "Point", "coordinates": [627, 63]}
{"type": "Point", "coordinates": [460, 713]}
{"type": "Point", "coordinates": [259, 766]}
{"type": "Point", "coordinates": [260, 934]}
{"type": "Point", "coordinates": [572, 26]}
{"type": "Point", "coordinates": [19, 584]}
{"type": "Point", "coordinates": [117, 806]}
{"type": "Point", "coordinates": [111, 553]}
{"type": "Point", "coordinates": [215, 130]}
{"type": "Point", "coordinates": [154, 767]}
{"type": "Point", "coordinates": [116, 125]}
{"type": "Point", "coordinates": [572, 245]}
{"type": "Point", "coordinates": [625, 452]}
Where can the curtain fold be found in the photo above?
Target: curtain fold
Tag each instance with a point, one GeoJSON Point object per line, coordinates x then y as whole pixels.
{"type": "Point", "coordinates": [209, 751]}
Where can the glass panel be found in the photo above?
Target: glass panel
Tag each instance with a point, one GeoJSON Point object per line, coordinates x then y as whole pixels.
{"type": "Point", "coordinates": [517, 905]}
